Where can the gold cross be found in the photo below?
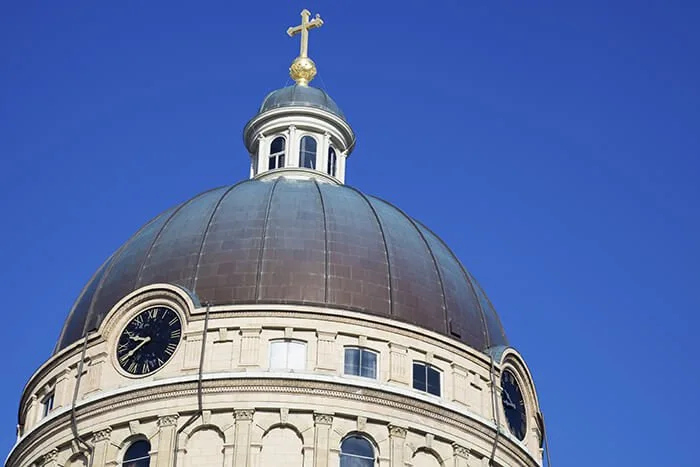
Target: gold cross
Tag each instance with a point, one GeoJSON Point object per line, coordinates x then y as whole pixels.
{"type": "Point", "coordinates": [303, 28]}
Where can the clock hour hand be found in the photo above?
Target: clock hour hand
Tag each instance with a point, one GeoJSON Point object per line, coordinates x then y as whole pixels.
{"type": "Point", "coordinates": [144, 341]}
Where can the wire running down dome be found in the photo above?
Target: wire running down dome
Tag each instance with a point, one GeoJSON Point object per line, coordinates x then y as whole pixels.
{"type": "Point", "coordinates": [296, 242]}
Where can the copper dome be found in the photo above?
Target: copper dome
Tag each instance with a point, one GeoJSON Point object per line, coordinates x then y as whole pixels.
{"type": "Point", "coordinates": [296, 242]}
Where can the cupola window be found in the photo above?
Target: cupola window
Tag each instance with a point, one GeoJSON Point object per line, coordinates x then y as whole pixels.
{"type": "Point", "coordinates": [426, 378]}
{"type": "Point", "coordinates": [277, 153]}
{"type": "Point", "coordinates": [356, 451]}
{"type": "Point", "coordinates": [47, 404]}
{"type": "Point", "coordinates": [287, 355]}
{"type": "Point", "coordinates": [138, 454]}
{"type": "Point", "coordinates": [332, 161]}
{"type": "Point", "coordinates": [307, 152]}
{"type": "Point", "coordinates": [360, 362]}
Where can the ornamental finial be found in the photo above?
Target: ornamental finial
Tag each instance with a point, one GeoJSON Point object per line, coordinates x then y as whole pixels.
{"type": "Point", "coordinates": [303, 69]}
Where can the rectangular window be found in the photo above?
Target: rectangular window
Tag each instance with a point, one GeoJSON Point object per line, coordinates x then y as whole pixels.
{"type": "Point", "coordinates": [287, 355]}
{"type": "Point", "coordinates": [360, 362]}
{"type": "Point", "coordinates": [47, 404]}
{"type": "Point", "coordinates": [426, 378]}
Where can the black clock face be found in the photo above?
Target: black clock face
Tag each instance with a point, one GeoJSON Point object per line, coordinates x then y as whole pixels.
{"type": "Point", "coordinates": [149, 340]}
{"type": "Point", "coordinates": [513, 405]}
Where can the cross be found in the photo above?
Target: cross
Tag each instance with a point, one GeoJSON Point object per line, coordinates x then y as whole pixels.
{"type": "Point", "coordinates": [303, 28]}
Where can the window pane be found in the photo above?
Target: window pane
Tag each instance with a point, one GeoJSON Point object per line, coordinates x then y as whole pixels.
{"type": "Point", "coordinates": [308, 152]}
{"type": "Point", "coordinates": [296, 359]}
{"type": "Point", "coordinates": [350, 461]}
{"type": "Point", "coordinates": [357, 446]}
{"type": "Point", "coordinates": [369, 364]}
{"type": "Point", "coordinates": [271, 162]}
{"type": "Point", "coordinates": [277, 145]}
{"type": "Point", "coordinates": [278, 355]}
{"type": "Point", "coordinates": [419, 378]}
{"type": "Point", "coordinates": [433, 381]}
{"type": "Point", "coordinates": [331, 161]}
{"type": "Point", "coordinates": [137, 454]}
{"type": "Point", "coordinates": [352, 362]}
{"type": "Point", "coordinates": [280, 160]}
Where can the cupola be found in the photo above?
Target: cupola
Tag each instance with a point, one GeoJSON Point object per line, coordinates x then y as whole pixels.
{"type": "Point", "coordinates": [299, 131]}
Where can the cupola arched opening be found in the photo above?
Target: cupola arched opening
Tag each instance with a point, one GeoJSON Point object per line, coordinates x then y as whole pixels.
{"type": "Point", "coordinates": [356, 451]}
{"type": "Point", "coordinates": [307, 152]}
{"type": "Point", "coordinates": [277, 153]}
{"type": "Point", "coordinates": [137, 455]}
{"type": "Point", "coordinates": [332, 161]}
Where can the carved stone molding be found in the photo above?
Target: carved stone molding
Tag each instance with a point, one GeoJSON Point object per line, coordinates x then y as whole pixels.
{"type": "Point", "coordinates": [323, 419]}
{"type": "Point", "coordinates": [168, 420]}
{"type": "Point", "coordinates": [51, 456]}
{"type": "Point", "coordinates": [102, 435]}
{"type": "Point", "coordinates": [460, 451]}
{"type": "Point", "coordinates": [244, 414]}
{"type": "Point", "coordinates": [397, 431]}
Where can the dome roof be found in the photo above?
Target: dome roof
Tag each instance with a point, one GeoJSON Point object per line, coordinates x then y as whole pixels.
{"type": "Point", "coordinates": [301, 96]}
{"type": "Point", "coordinates": [301, 242]}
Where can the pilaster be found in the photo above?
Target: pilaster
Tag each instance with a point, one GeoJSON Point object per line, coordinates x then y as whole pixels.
{"type": "Point", "coordinates": [50, 459]}
{"type": "Point", "coordinates": [397, 439]}
{"type": "Point", "coordinates": [398, 364]}
{"type": "Point", "coordinates": [94, 372]}
{"type": "Point", "coordinates": [322, 425]}
{"type": "Point", "coordinates": [460, 454]}
{"type": "Point", "coordinates": [100, 444]}
{"type": "Point", "coordinates": [242, 437]}
{"type": "Point", "coordinates": [250, 347]}
{"type": "Point", "coordinates": [167, 430]}
{"type": "Point", "coordinates": [325, 351]}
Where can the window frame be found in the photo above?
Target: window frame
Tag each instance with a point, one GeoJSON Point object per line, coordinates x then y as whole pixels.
{"type": "Point", "coordinates": [341, 454]}
{"type": "Point", "coordinates": [287, 353]}
{"type": "Point", "coordinates": [47, 404]}
{"type": "Point", "coordinates": [332, 162]}
{"type": "Point", "coordinates": [138, 460]}
{"type": "Point", "coordinates": [303, 152]}
{"type": "Point", "coordinates": [427, 366]}
{"type": "Point", "coordinates": [362, 350]}
{"type": "Point", "coordinates": [279, 157]}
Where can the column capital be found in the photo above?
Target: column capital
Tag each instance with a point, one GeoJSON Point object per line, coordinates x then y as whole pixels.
{"type": "Point", "coordinates": [460, 451]}
{"type": "Point", "coordinates": [168, 420]}
{"type": "Point", "coordinates": [323, 419]}
{"type": "Point", "coordinates": [244, 414]}
{"type": "Point", "coordinates": [102, 435]}
{"type": "Point", "coordinates": [397, 431]}
{"type": "Point", "coordinates": [50, 457]}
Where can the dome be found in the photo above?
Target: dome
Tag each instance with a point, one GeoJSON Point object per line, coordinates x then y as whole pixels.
{"type": "Point", "coordinates": [301, 96]}
{"type": "Point", "coordinates": [300, 242]}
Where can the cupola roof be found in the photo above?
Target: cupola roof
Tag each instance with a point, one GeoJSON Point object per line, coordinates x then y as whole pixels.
{"type": "Point", "coordinates": [301, 96]}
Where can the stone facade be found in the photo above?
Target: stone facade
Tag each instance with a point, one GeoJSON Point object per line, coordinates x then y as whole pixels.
{"type": "Point", "coordinates": [254, 416]}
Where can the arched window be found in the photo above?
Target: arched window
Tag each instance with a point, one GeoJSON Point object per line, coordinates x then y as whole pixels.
{"type": "Point", "coordinates": [137, 454]}
{"type": "Point", "coordinates": [356, 451]}
{"type": "Point", "coordinates": [332, 161]}
{"type": "Point", "coordinates": [307, 152]}
{"type": "Point", "coordinates": [360, 362]}
{"type": "Point", "coordinates": [276, 160]}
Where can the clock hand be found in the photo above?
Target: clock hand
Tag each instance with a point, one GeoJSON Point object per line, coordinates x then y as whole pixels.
{"type": "Point", "coordinates": [144, 341]}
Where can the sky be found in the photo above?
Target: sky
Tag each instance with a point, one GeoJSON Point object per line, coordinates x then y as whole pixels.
{"type": "Point", "coordinates": [553, 145]}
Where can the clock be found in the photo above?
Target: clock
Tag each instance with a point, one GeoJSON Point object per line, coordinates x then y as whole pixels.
{"type": "Point", "coordinates": [513, 404]}
{"type": "Point", "coordinates": [149, 340]}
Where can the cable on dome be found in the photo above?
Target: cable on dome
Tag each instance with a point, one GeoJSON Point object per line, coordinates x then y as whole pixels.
{"type": "Point", "coordinates": [546, 441]}
{"type": "Point", "coordinates": [200, 403]}
{"type": "Point", "coordinates": [76, 389]}
{"type": "Point", "coordinates": [496, 413]}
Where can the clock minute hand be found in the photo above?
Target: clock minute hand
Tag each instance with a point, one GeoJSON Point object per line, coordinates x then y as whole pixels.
{"type": "Point", "coordinates": [144, 341]}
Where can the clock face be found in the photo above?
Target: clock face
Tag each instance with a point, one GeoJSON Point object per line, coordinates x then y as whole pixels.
{"type": "Point", "coordinates": [149, 340]}
{"type": "Point", "coordinates": [513, 405]}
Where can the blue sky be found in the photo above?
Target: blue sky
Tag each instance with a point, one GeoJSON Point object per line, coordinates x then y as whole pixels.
{"type": "Point", "coordinates": [555, 146]}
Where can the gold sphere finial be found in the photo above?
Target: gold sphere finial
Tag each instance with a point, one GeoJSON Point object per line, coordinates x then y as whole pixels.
{"type": "Point", "coordinates": [303, 69]}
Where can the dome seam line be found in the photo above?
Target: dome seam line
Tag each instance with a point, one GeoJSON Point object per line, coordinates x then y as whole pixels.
{"type": "Point", "coordinates": [468, 278]}
{"type": "Point", "coordinates": [195, 274]}
{"type": "Point", "coordinates": [386, 247]}
{"type": "Point", "coordinates": [139, 276]}
{"type": "Point", "coordinates": [258, 275]}
{"type": "Point", "coordinates": [325, 242]}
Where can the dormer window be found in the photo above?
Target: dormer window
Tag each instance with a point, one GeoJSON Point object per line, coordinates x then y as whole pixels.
{"type": "Point", "coordinates": [332, 161]}
{"type": "Point", "coordinates": [307, 152]}
{"type": "Point", "coordinates": [276, 160]}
